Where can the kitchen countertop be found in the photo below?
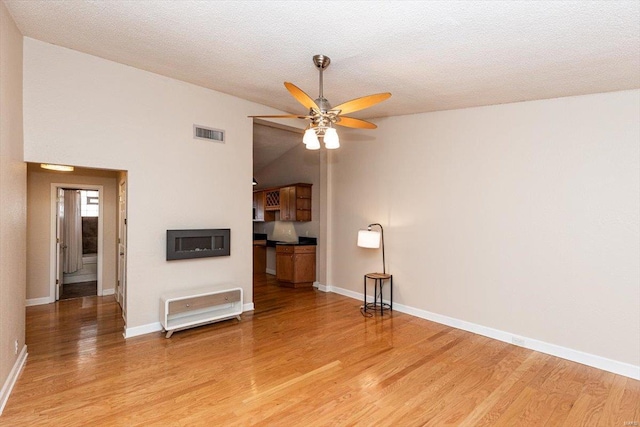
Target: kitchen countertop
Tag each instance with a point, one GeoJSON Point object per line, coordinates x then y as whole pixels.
{"type": "Point", "coordinates": [260, 239]}
{"type": "Point", "coordinates": [302, 241]}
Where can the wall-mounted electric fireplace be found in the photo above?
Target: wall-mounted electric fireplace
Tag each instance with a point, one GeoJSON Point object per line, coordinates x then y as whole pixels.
{"type": "Point", "coordinates": [186, 244]}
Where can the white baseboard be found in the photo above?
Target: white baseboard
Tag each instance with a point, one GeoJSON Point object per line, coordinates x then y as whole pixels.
{"type": "Point", "coordinates": [12, 378]}
{"type": "Point", "coordinates": [38, 301]}
{"type": "Point", "coordinates": [47, 300]}
{"type": "Point", "coordinates": [321, 287]}
{"type": "Point", "coordinates": [142, 330]}
{"type": "Point", "coordinates": [157, 326]}
{"type": "Point", "coordinates": [270, 271]}
{"type": "Point", "coordinates": [620, 368]}
{"type": "Point", "coordinates": [345, 292]}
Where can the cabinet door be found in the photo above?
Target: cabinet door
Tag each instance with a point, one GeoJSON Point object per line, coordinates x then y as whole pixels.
{"type": "Point", "coordinates": [259, 259]}
{"type": "Point", "coordinates": [303, 203]}
{"type": "Point", "coordinates": [258, 205]}
{"type": "Point", "coordinates": [305, 268]}
{"type": "Point", "coordinates": [288, 204]}
{"type": "Point", "coordinates": [284, 267]}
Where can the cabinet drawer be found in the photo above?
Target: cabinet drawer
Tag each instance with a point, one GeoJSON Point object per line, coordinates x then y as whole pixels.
{"type": "Point", "coordinates": [305, 249]}
{"type": "Point", "coordinates": [204, 301]}
{"type": "Point", "coordinates": [284, 249]}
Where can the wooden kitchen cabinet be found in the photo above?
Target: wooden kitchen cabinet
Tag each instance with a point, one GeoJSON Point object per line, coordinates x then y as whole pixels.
{"type": "Point", "coordinates": [272, 199]}
{"type": "Point", "coordinates": [292, 202]}
{"type": "Point", "coordinates": [296, 265]}
{"type": "Point", "coordinates": [295, 203]}
{"type": "Point", "coordinates": [259, 257]}
{"type": "Point", "coordinates": [258, 205]}
{"type": "Point", "coordinates": [260, 213]}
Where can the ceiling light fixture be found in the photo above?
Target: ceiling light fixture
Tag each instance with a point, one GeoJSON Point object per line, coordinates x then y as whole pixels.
{"type": "Point", "coordinates": [323, 117]}
{"type": "Point", "coordinates": [59, 168]}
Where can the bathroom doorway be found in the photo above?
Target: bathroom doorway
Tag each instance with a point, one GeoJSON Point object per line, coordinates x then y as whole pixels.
{"type": "Point", "coordinates": [78, 231]}
{"type": "Point", "coordinates": [80, 237]}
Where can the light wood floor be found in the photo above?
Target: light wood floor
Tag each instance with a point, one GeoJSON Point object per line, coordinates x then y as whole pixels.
{"type": "Point", "coordinates": [303, 358]}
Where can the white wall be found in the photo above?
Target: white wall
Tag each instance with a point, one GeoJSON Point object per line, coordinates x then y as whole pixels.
{"type": "Point", "coordinates": [521, 217]}
{"type": "Point", "coordinates": [86, 111]}
{"type": "Point", "coordinates": [13, 207]}
{"type": "Point", "coordinates": [39, 225]}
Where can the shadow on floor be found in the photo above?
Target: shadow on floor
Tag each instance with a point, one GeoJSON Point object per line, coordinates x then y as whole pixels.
{"type": "Point", "coordinates": [77, 290]}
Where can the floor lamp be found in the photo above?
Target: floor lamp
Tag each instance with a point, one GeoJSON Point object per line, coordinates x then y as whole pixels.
{"type": "Point", "coordinates": [372, 239]}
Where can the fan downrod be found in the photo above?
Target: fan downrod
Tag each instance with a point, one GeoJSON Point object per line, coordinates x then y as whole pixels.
{"type": "Point", "coordinates": [321, 61]}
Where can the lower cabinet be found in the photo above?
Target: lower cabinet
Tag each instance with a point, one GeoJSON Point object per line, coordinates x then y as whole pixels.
{"type": "Point", "coordinates": [296, 265]}
{"type": "Point", "coordinates": [259, 259]}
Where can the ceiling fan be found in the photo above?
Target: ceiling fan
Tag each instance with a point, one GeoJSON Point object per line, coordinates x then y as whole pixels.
{"type": "Point", "coordinates": [323, 116]}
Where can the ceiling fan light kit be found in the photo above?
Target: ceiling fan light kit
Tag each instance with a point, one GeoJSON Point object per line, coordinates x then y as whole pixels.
{"type": "Point", "coordinates": [310, 139]}
{"type": "Point", "coordinates": [323, 117]}
{"type": "Point", "coordinates": [331, 139]}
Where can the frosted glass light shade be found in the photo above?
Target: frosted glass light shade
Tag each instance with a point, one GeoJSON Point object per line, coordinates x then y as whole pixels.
{"type": "Point", "coordinates": [331, 140]}
{"type": "Point", "coordinates": [60, 168]}
{"type": "Point", "coordinates": [310, 139]}
{"type": "Point", "coordinates": [283, 231]}
{"type": "Point", "coordinates": [369, 239]}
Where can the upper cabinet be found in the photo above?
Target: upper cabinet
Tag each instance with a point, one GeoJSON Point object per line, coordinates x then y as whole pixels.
{"type": "Point", "coordinates": [258, 205]}
{"type": "Point", "coordinates": [293, 202]}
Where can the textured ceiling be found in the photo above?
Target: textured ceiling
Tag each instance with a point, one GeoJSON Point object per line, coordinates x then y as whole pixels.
{"type": "Point", "coordinates": [431, 55]}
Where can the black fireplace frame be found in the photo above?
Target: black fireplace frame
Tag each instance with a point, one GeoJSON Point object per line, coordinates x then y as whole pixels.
{"type": "Point", "coordinates": [207, 233]}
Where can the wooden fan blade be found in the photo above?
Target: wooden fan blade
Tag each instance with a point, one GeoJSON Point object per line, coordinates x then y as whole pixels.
{"type": "Point", "coordinates": [361, 103]}
{"type": "Point", "coordinates": [301, 97]}
{"type": "Point", "coordinates": [350, 122]}
{"type": "Point", "coordinates": [284, 116]}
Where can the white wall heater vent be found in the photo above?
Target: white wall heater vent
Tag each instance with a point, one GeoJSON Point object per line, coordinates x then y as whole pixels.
{"type": "Point", "coordinates": [209, 134]}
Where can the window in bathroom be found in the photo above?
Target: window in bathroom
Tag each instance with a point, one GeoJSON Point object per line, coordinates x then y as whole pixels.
{"type": "Point", "coordinates": [90, 203]}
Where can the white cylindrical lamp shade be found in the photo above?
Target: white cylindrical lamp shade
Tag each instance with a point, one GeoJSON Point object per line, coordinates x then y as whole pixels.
{"type": "Point", "coordinates": [310, 139]}
{"type": "Point", "coordinates": [369, 239]}
{"type": "Point", "coordinates": [331, 140]}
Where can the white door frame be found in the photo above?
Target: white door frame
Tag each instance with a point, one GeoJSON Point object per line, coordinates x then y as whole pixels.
{"type": "Point", "coordinates": [60, 244]}
{"type": "Point", "coordinates": [121, 280]}
{"type": "Point", "coordinates": [52, 239]}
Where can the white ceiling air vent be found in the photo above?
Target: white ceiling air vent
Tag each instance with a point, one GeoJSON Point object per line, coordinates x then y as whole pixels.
{"type": "Point", "coordinates": [209, 134]}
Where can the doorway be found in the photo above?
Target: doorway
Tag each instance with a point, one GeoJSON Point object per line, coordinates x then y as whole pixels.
{"type": "Point", "coordinates": [80, 236]}
{"type": "Point", "coordinates": [78, 229]}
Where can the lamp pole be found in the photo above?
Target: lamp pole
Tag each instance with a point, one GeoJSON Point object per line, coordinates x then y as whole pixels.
{"type": "Point", "coordinates": [384, 271]}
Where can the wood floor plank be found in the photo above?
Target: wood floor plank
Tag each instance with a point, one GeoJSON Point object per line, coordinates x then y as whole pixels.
{"type": "Point", "coordinates": [303, 357]}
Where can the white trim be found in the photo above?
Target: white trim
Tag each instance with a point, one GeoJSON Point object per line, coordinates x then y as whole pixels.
{"type": "Point", "coordinates": [7, 387]}
{"type": "Point", "coordinates": [142, 330]}
{"type": "Point", "coordinates": [620, 368]}
{"type": "Point", "coordinates": [345, 292]}
{"type": "Point", "coordinates": [52, 231]}
{"type": "Point", "coordinates": [38, 301]}
{"type": "Point", "coordinates": [106, 292]}
{"type": "Point", "coordinates": [321, 287]}
{"type": "Point", "coordinates": [248, 307]}
{"type": "Point", "coordinates": [270, 271]}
